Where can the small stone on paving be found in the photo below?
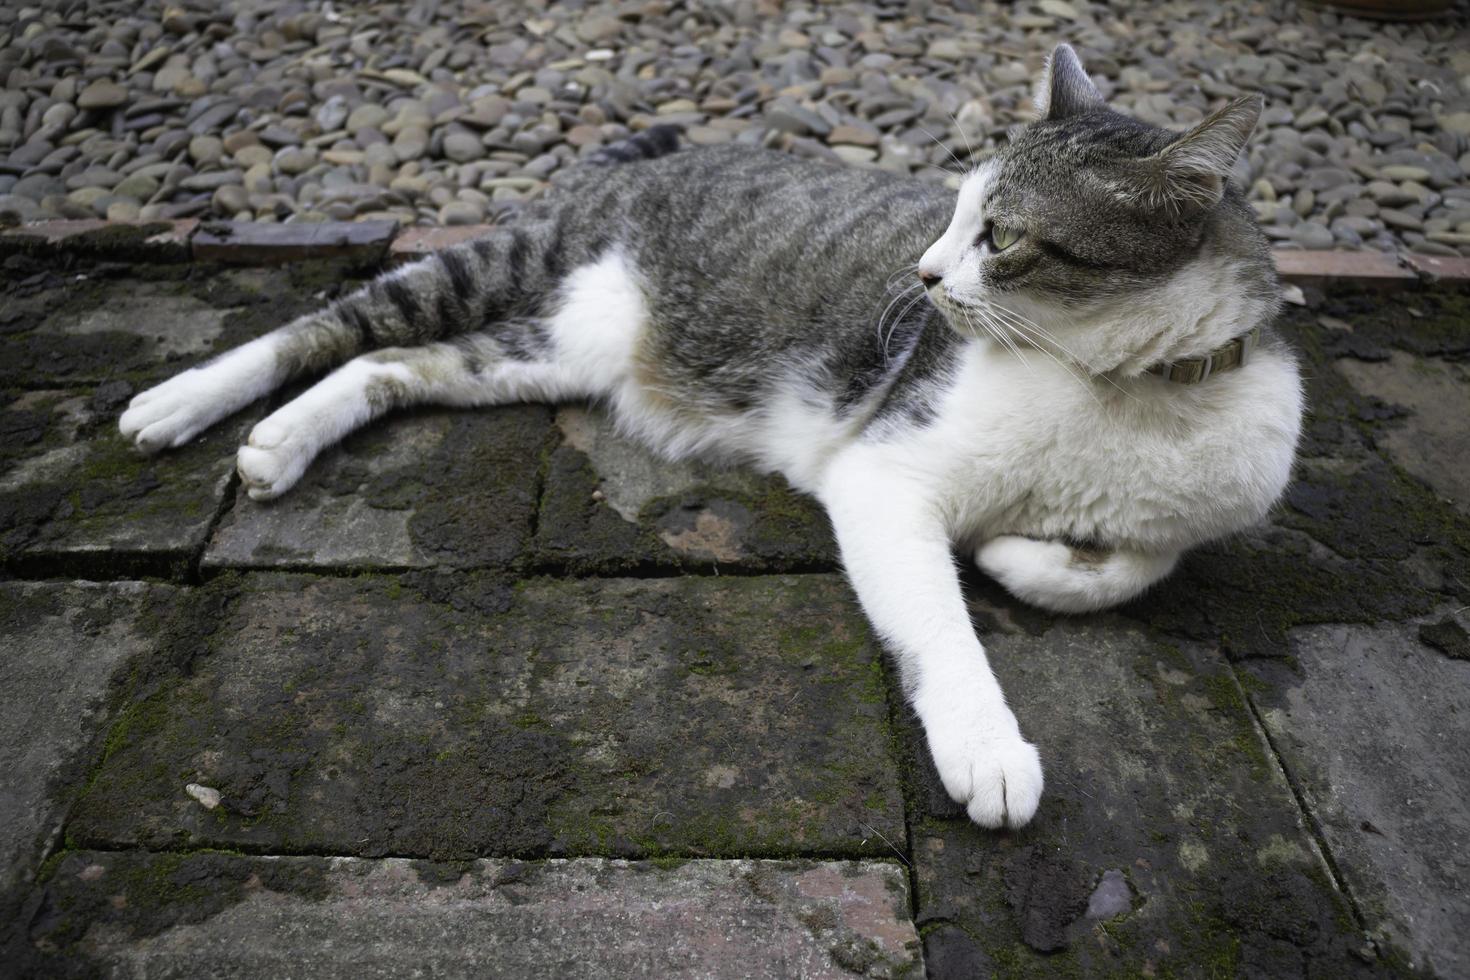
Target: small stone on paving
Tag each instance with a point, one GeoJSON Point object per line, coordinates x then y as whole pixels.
{"type": "Point", "coordinates": [1167, 839]}
{"type": "Point", "coordinates": [454, 715]}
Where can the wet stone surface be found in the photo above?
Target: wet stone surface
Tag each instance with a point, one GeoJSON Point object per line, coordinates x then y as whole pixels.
{"type": "Point", "coordinates": [505, 635]}
{"type": "Point", "coordinates": [96, 323]}
{"type": "Point", "coordinates": [75, 346]}
{"type": "Point", "coordinates": [1169, 843]}
{"type": "Point", "coordinates": [60, 645]}
{"type": "Point", "coordinates": [1432, 440]}
{"type": "Point", "coordinates": [454, 716]}
{"type": "Point", "coordinates": [434, 488]}
{"type": "Point", "coordinates": [612, 506]}
{"type": "Point", "coordinates": [75, 497]}
{"type": "Point", "coordinates": [215, 914]}
{"type": "Point", "coordinates": [1375, 724]}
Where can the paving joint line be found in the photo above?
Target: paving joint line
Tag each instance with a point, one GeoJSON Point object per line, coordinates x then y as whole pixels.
{"type": "Point", "coordinates": [1309, 817]}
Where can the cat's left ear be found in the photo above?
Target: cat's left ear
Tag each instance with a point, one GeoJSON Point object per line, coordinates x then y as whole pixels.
{"type": "Point", "coordinates": [1195, 167]}
{"type": "Point", "coordinates": [1065, 89]}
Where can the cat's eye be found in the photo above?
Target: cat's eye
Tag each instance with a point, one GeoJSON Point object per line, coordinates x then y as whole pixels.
{"type": "Point", "coordinates": [1002, 238]}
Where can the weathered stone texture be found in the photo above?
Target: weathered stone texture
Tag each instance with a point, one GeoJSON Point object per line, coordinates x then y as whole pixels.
{"type": "Point", "coordinates": [1433, 440]}
{"type": "Point", "coordinates": [137, 915]}
{"type": "Point", "coordinates": [1374, 726]}
{"type": "Point", "coordinates": [454, 716]}
{"type": "Point", "coordinates": [60, 644]}
{"type": "Point", "coordinates": [421, 489]}
{"type": "Point", "coordinates": [76, 497]}
{"type": "Point", "coordinates": [1168, 842]}
{"type": "Point", "coordinates": [612, 506]}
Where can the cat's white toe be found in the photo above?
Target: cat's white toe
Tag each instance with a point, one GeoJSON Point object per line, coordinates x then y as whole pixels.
{"type": "Point", "coordinates": [268, 435]}
{"type": "Point", "coordinates": [998, 780]}
{"type": "Point", "coordinates": [272, 462]}
{"type": "Point", "coordinates": [170, 414]}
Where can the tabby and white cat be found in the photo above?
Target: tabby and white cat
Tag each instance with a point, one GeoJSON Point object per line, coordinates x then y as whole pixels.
{"type": "Point", "coordinates": [1021, 400]}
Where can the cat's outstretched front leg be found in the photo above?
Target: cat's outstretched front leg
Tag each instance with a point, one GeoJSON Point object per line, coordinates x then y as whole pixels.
{"type": "Point", "coordinates": [1063, 578]}
{"type": "Point", "coordinates": [896, 550]}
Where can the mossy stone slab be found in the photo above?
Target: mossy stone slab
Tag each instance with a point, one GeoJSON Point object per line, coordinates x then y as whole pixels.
{"type": "Point", "coordinates": [1167, 843]}
{"type": "Point", "coordinates": [198, 915]}
{"type": "Point", "coordinates": [611, 506]}
{"type": "Point", "coordinates": [60, 645]}
{"type": "Point", "coordinates": [140, 325]}
{"type": "Point", "coordinates": [1373, 724]}
{"type": "Point", "coordinates": [1432, 440]}
{"type": "Point", "coordinates": [75, 497]}
{"type": "Point", "coordinates": [455, 715]}
{"type": "Point", "coordinates": [430, 488]}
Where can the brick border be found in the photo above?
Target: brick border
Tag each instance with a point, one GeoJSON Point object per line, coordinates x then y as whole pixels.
{"type": "Point", "coordinates": [377, 242]}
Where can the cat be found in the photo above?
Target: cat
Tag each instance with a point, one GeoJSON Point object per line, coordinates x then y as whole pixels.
{"type": "Point", "coordinates": [1080, 382]}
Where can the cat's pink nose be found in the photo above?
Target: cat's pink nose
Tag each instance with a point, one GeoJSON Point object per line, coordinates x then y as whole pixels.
{"type": "Point", "coordinates": [928, 278]}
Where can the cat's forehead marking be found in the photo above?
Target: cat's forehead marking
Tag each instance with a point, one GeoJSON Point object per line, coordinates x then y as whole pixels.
{"type": "Point", "coordinates": [976, 188]}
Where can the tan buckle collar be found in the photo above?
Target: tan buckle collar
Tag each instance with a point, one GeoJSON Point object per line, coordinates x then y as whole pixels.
{"type": "Point", "coordinates": [1228, 356]}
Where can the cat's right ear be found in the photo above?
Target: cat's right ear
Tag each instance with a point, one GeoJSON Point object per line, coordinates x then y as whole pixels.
{"type": "Point", "coordinates": [1065, 89]}
{"type": "Point", "coordinates": [1194, 169]}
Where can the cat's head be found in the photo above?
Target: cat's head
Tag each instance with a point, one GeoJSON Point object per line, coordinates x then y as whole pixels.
{"type": "Point", "coordinates": [1103, 238]}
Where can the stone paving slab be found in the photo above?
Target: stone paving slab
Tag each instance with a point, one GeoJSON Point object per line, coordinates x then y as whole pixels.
{"type": "Point", "coordinates": [76, 497]}
{"type": "Point", "coordinates": [107, 323]}
{"type": "Point", "coordinates": [454, 716]}
{"type": "Point", "coordinates": [1168, 844]}
{"type": "Point", "coordinates": [167, 915]}
{"type": "Point", "coordinates": [1432, 441]}
{"type": "Point", "coordinates": [417, 490]}
{"type": "Point", "coordinates": [611, 506]}
{"type": "Point", "coordinates": [60, 645]}
{"type": "Point", "coordinates": [1374, 726]}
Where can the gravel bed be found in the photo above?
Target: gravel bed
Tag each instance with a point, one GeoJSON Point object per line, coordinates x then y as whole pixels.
{"type": "Point", "coordinates": [457, 112]}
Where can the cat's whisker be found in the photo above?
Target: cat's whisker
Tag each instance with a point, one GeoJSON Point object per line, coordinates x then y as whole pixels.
{"type": "Point", "coordinates": [1000, 331]}
{"type": "Point", "coordinates": [884, 317]}
{"type": "Point", "coordinates": [897, 298]}
{"type": "Point", "coordinates": [945, 147]}
{"type": "Point", "coordinates": [1083, 380]}
{"type": "Point", "coordinates": [969, 148]}
{"type": "Point", "coordinates": [899, 319]}
{"type": "Point", "coordinates": [1050, 338]}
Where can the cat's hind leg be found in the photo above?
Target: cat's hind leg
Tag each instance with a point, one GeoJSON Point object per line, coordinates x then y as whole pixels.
{"type": "Point", "coordinates": [473, 370]}
{"type": "Point", "coordinates": [1059, 577]}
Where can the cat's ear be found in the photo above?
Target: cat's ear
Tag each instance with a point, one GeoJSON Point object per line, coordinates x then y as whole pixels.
{"type": "Point", "coordinates": [1065, 89]}
{"type": "Point", "coordinates": [1195, 167]}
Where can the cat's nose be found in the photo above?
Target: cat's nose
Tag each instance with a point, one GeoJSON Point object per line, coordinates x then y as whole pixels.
{"type": "Point", "coordinates": [929, 278]}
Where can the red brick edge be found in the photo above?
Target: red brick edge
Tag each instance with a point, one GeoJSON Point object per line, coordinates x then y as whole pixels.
{"type": "Point", "coordinates": [368, 242]}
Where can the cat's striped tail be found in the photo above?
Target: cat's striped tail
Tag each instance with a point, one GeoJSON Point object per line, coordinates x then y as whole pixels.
{"type": "Point", "coordinates": [656, 141]}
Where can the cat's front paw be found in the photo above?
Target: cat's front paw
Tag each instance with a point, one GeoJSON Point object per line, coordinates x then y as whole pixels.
{"type": "Point", "coordinates": [997, 778]}
{"type": "Point", "coordinates": [273, 459]}
{"type": "Point", "coordinates": [170, 414]}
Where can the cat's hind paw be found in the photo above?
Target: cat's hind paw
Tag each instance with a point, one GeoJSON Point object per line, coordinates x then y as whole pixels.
{"type": "Point", "coordinates": [170, 414]}
{"type": "Point", "coordinates": [997, 780]}
{"type": "Point", "coordinates": [272, 461]}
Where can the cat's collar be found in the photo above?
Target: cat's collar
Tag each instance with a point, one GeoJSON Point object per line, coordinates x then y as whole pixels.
{"type": "Point", "coordinates": [1232, 354]}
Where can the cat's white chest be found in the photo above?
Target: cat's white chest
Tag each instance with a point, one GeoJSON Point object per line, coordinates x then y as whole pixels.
{"type": "Point", "coordinates": [1034, 450]}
